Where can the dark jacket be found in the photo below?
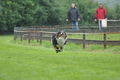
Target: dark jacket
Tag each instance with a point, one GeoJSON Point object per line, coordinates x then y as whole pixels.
{"type": "Point", "coordinates": [101, 13]}
{"type": "Point", "coordinates": [73, 14]}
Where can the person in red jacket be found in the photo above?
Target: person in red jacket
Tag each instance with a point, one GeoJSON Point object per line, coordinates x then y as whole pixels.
{"type": "Point", "coordinates": [101, 13]}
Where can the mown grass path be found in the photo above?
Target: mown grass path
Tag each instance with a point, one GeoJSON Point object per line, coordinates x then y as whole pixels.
{"type": "Point", "coordinates": [23, 61]}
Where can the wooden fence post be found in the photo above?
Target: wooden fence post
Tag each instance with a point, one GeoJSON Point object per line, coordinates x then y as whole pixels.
{"type": "Point", "coordinates": [89, 26]}
{"type": "Point", "coordinates": [40, 37]}
{"type": "Point", "coordinates": [114, 26]}
{"type": "Point", "coordinates": [28, 34]}
{"type": "Point", "coordinates": [104, 41]}
{"type": "Point", "coordinates": [15, 34]}
{"type": "Point", "coordinates": [69, 27]}
{"type": "Point", "coordinates": [28, 37]}
{"type": "Point", "coordinates": [37, 37]}
{"type": "Point", "coordinates": [84, 40]}
{"type": "Point", "coordinates": [36, 29]}
{"type": "Point", "coordinates": [21, 36]}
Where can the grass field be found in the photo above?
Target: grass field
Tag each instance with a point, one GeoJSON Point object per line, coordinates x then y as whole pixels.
{"type": "Point", "coordinates": [23, 61]}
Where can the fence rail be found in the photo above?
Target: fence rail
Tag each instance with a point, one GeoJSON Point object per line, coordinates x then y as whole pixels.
{"type": "Point", "coordinates": [39, 35]}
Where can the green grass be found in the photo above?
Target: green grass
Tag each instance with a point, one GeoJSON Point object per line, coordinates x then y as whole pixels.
{"type": "Point", "coordinates": [23, 61]}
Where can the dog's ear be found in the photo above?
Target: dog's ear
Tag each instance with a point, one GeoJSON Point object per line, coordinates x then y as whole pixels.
{"type": "Point", "coordinates": [58, 34]}
{"type": "Point", "coordinates": [65, 35]}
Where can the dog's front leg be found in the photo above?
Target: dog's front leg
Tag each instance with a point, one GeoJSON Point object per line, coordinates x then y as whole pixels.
{"type": "Point", "coordinates": [61, 49]}
{"type": "Point", "coordinates": [56, 49]}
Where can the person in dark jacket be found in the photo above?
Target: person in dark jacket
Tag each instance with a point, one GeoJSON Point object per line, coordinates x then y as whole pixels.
{"type": "Point", "coordinates": [100, 14]}
{"type": "Point", "coordinates": [73, 16]}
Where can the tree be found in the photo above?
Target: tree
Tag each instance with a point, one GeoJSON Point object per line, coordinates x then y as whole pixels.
{"type": "Point", "coordinates": [16, 13]}
{"type": "Point", "coordinates": [117, 11]}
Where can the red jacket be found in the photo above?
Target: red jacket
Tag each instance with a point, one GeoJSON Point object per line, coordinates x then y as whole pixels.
{"type": "Point", "coordinates": [101, 13]}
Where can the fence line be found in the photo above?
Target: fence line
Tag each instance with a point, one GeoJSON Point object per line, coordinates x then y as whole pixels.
{"type": "Point", "coordinates": [67, 32]}
{"type": "Point", "coordinates": [39, 36]}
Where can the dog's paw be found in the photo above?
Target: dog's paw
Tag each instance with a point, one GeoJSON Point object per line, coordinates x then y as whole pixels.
{"type": "Point", "coordinates": [58, 51]}
{"type": "Point", "coordinates": [61, 50]}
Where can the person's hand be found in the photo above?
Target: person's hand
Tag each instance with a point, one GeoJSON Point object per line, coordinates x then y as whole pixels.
{"type": "Point", "coordinates": [95, 19]}
{"type": "Point", "coordinates": [78, 19]}
{"type": "Point", "coordinates": [67, 20]}
{"type": "Point", "coordinates": [106, 18]}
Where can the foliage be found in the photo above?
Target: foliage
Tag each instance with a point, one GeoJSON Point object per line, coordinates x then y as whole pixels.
{"type": "Point", "coordinates": [46, 12]}
{"type": "Point", "coordinates": [117, 11]}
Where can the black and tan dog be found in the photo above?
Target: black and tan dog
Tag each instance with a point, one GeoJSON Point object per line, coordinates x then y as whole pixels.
{"type": "Point", "coordinates": [59, 41]}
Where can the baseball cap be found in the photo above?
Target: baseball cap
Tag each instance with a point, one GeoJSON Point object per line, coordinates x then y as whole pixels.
{"type": "Point", "coordinates": [100, 3]}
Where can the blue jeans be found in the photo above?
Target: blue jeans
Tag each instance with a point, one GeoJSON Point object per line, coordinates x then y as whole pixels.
{"type": "Point", "coordinates": [75, 25]}
{"type": "Point", "coordinates": [100, 24]}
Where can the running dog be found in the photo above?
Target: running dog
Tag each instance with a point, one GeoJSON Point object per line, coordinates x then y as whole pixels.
{"type": "Point", "coordinates": [59, 41]}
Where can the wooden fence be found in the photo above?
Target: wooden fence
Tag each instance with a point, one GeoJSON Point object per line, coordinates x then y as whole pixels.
{"type": "Point", "coordinates": [46, 35]}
